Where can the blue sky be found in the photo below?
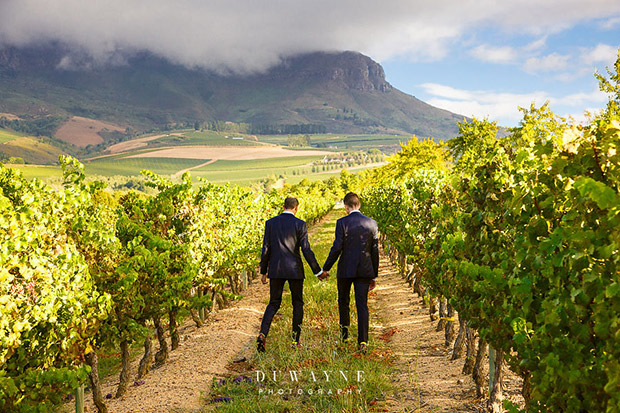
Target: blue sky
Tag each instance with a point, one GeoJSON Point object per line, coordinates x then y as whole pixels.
{"type": "Point", "coordinates": [473, 57]}
{"type": "Point", "coordinates": [491, 72]}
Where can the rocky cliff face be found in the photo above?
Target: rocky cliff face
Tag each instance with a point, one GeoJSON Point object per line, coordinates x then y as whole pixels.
{"type": "Point", "coordinates": [348, 69]}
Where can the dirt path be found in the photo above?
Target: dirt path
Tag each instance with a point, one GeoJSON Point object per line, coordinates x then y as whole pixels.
{"type": "Point", "coordinates": [182, 171]}
{"type": "Point", "coordinates": [202, 354]}
{"type": "Point", "coordinates": [425, 378]}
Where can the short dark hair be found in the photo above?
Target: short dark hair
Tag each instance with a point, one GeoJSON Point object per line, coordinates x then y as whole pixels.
{"type": "Point", "coordinates": [352, 200]}
{"type": "Point", "coordinates": [290, 202]}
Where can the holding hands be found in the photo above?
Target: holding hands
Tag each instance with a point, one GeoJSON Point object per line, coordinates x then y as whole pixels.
{"type": "Point", "coordinates": [324, 275]}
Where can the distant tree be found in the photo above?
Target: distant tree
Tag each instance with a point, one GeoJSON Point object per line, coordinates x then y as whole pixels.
{"type": "Point", "coordinates": [16, 160]}
{"type": "Point", "coordinates": [299, 140]}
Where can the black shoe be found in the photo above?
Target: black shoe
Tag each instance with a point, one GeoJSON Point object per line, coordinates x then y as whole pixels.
{"type": "Point", "coordinates": [362, 348]}
{"type": "Point", "coordinates": [260, 343]}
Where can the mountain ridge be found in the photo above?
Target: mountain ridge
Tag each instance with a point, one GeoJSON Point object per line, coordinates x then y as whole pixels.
{"type": "Point", "coordinates": [340, 92]}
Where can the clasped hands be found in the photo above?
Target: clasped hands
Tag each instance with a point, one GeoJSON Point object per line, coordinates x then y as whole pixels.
{"type": "Point", "coordinates": [324, 275]}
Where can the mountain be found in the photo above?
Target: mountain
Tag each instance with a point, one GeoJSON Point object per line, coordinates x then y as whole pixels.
{"type": "Point", "coordinates": [335, 92]}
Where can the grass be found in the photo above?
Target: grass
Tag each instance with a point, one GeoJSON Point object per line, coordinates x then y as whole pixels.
{"type": "Point", "coordinates": [39, 171]}
{"type": "Point", "coordinates": [32, 150]}
{"type": "Point", "coordinates": [322, 352]}
{"type": "Point", "coordinates": [8, 135]}
{"type": "Point", "coordinates": [268, 163]}
{"type": "Point", "coordinates": [210, 138]}
{"type": "Point", "coordinates": [245, 172]}
{"type": "Point", "coordinates": [133, 166]}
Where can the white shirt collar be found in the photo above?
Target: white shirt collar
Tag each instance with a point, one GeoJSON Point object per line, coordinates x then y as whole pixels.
{"type": "Point", "coordinates": [287, 212]}
{"type": "Point", "coordinates": [355, 210]}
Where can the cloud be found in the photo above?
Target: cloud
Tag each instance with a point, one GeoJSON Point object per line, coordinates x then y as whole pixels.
{"type": "Point", "coordinates": [504, 107]}
{"type": "Point", "coordinates": [553, 62]}
{"type": "Point", "coordinates": [250, 35]}
{"type": "Point", "coordinates": [580, 99]}
{"type": "Point", "coordinates": [536, 45]}
{"type": "Point", "coordinates": [507, 54]}
{"type": "Point", "coordinates": [502, 55]}
{"type": "Point", "coordinates": [443, 91]}
{"type": "Point", "coordinates": [602, 53]}
{"type": "Point", "coordinates": [611, 24]}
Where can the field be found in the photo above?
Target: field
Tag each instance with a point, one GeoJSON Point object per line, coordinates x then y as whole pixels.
{"type": "Point", "coordinates": [112, 167]}
{"type": "Point", "coordinates": [227, 152]}
{"type": "Point", "coordinates": [240, 172]}
{"type": "Point", "coordinates": [83, 131]}
{"type": "Point", "coordinates": [181, 138]}
{"type": "Point", "coordinates": [386, 143]}
{"type": "Point", "coordinates": [39, 171]}
{"type": "Point", "coordinates": [214, 156]}
{"type": "Point", "coordinates": [137, 143]}
{"type": "Point", "coordinates": [133, 166]}
{"type": "Point", "coordinates": [245, 172]}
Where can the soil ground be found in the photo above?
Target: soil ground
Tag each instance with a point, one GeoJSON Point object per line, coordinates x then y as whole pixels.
{"type": "Point", "coordinates": [9, 116]}
{"type": "Point", "coordinates": [238, 153]}
{"type": "Point", "coordinates": [424, 374]}
{"type": "Point", "coordinates": [83, 131]}
{"type": "Point", "coordinates": [135, 143]}
{"type": "Point", "coordinates": [202, 354]}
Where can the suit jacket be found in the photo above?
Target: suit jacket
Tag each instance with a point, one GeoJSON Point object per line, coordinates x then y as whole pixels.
{"type": "Point", "coordinates": [357, 239]}
{"type": "Point", "coordinates": [285, 235]}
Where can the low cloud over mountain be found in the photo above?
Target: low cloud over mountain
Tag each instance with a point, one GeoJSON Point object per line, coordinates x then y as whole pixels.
{"type": "Point", "coordinates": [248, 36]}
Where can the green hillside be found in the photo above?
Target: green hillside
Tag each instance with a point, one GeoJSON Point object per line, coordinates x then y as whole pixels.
{"type": "Point", "coordinates": [32, 150]}
{"type": "Point", "coordinates": [329, 92]}
{"type": "Point", "coordinates": [8, 135]}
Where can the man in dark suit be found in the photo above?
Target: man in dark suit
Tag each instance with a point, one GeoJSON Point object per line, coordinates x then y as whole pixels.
{"type": "Point", "coordinates": [284, 236]}
{"type": "Point", "coordinates": [357, 245]}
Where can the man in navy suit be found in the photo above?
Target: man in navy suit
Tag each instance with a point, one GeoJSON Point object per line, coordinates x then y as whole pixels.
{"type": "Point", "coordinates": [284, 236]}
{"type": "Point", "coordinates": [357, 245]}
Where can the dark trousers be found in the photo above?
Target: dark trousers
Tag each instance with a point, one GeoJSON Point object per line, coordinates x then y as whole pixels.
{"type": "Point", "coordinates": [361, 286]}
{"type": "Point", "coordinates": [276, 285]}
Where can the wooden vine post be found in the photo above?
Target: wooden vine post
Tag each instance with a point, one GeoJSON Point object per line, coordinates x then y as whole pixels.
{"type": "Point", "coordinates": [244, 279]}
{"type": "Point", "coordinates": [491, 368]}
{"type": "Point", "coordinates": [201, 310]}
{"type": "Point", "coordinates": [79, 399]}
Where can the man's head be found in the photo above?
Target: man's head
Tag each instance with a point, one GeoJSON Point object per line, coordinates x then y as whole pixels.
{"type": "Point", "coordinates": [351, 202]}
{"type": "Point", "coordinates": [291, 204]}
